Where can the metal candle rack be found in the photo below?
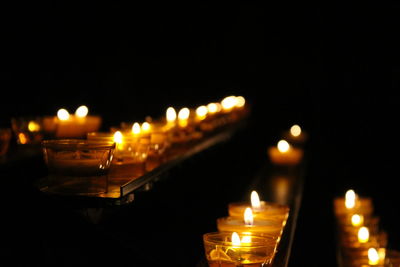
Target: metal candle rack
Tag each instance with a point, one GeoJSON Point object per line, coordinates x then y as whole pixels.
{"type": "Point", "coordinates": [121, 190]}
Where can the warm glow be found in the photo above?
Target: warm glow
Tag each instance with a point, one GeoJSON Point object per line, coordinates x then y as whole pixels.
{"type": "Point", "coordinates": [201, 112]}
{"type": "Point", "coordinates": [33, 126]}
{"type": "Point", "coordinates": [136, 128]}
{"type": "Point", "coordinates": [283, 146]}
{"type": "Point", "coordinates": [146, 127]}
{"type": "Point", "coordinates": [212, 108]}
{"type": "Point", "coordinates": [118, 137]}
{"type": "Point", "coordinates": [373, 256]}
{"type": "Point", "coordinates": [350, 199]}
{"type": "Point", "coordinates": [240, 101]}
{"type": "Point", "coordinates": [183, 114]}
{"type": "Point", "coordinates": [63, 114]}
{"type": "Point", "coordinates": [255, 200]}
{"type": "Point", "coordinates": [228, 102]}
{"type": "Point", "coordinates": [82, 111]}
{"type": "Point", "coordinates": [235, 239]}
{"type": "Point", "coordinates": [22, 138]}
{"type": "Point", "coordinates": [248, 216]}
{"type": "Point", "coordinates": [363, 235]}
{"type": "Point", "coordinates": [295, 130]}
{"type": "Point", "coordinates": [357, 220]}
{"type": "Point", "coordinates": [246, 239]}
{"type": "Point", "coordinates": [171, 114]}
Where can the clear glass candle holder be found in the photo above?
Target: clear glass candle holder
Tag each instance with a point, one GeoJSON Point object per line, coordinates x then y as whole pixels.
{"type": "Point", "coordinates": [78, 166]}
{"type": "Point", "coordinates": [252, 250]}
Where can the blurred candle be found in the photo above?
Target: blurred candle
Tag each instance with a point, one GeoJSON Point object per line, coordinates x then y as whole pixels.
{"type": "Point", "coordinates": [201, 113]}
{"type": "Point", "coordinates": [260, 209]}
{"type": "Point", "coordinates": [77, 125]}
{"type": "Point", "coordinates": [247, 223]}
{"type": "Point", "coordinates": [376, 257]}
{"type": "Point", "coordinates": [357, 220]}
{"type": "Point", "coordinates": [363, 234]}
{"type": "Point", "coordinates": [183, 117]}
{"type": "Point", "coordinates": [351, 204]}
{"type": "Point", "coordinates": [284, 154]}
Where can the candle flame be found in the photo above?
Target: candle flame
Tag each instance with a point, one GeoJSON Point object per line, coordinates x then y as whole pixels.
{"type": "Point", "coordinates": [240, 101]}
{"type": "Point", "coordinates": [82, 111]}
{"type": "Point", "coordinates": [33, 126]}
{"type": "Point", "coordinates": [183, 114]}
{"type": "Point", "coordinates": [22, 139]}
{"type": "Point", "coordinates": [350, 199]}
{"type": "Point", "coordinates": [118, 137]}
{"type": "Point", "coordinates": [357, 220]}
{"type": "Point", "coordinates": [248, 216]}
{"type": "Point", "coordinates": [136, 128]}
{"type": "Point", "coordinates": [201, 112]}
{"type": "Point", "coordinates": [212, 108]}
{"type": "Point", "coordinates": [171, 114]}
{"type": "Point", "coordinates": [363, 235]}
{"type": "Point", "coordinates": [235, 239]}
{"type": "Point", "coordinates": [283, 146]}
{"type": "Point", "coordinates": [295, 130]}
{"type": "Point", "coordinates": [63, 114]}
{"type": "Point", "coordinates": [373, 256]}
{"type": "Point", "coordinates": [228, 102]}
{"type": "Point", "coordinates": [146, 127]}
{"type": "Point", "coordinates": [255, 200]}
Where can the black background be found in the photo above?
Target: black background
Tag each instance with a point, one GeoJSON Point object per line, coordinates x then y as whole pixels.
{"type": "Point", "coordinates": [332, 68]}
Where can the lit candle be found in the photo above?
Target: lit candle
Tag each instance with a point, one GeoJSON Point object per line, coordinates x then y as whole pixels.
{"type": "Point", "coordinates": [363, 234]}
{"type": "Point", "coordinates": [183, 117]}
{"type": "Point", "coordinates": [228, 103]}
{"type": "Point", "coordinates": [201, 113]}
{"type": "Point", "coordinates": [248, 224]}
{"type": "Point", "coordinates": [285, 154]}
{"type": "Point", "coordinates": [357, 220]}
{"type": "Point", "coordinates": [351, 204]}
{"type": "Point", "coordinates": [171, 117]}
{"type": "Point", "coordinates": [77, 125]}
{"type": "Point", "coordinates": [231, 250]}
{"type": "Point", "coordinates": [261, 209]}
{"type": "Point", "coordinates": [376, 257]}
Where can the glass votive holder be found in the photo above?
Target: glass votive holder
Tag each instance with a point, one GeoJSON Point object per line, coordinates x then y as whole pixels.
{"type": "Point", "coordinates": [130, 154]}
{"type": "Point", "coordinates": [78, 166]}
{"type": "Point", "coordinates": [221, 249]}
{"type": "Point", "coordinates": [352, 248]}
{"type": "Point", "coordinates": [265, 227]}
{"type": "Point", "coordinates": [5, 137]}
{"type": "Point", "coordinates": [267, 210]}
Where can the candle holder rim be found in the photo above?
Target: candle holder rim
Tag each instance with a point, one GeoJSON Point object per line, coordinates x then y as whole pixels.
{"type": "Point", "coordinates": [77, 144]}
{"type": "Point", "coordinates": [261, 240]}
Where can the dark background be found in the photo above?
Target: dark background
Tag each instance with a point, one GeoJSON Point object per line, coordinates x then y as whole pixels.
{"type": "Point", "coordinates": [331, 68]}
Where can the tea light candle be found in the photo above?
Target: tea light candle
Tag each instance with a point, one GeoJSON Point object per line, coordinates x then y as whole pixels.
{"type": "Point", "coordinates": [78, 125]}
{"type": "Point", "coordinates": [170, 117]}
{"type": "Point", "coordinates": [351, 204]}
{"type": "Point", "coordinates": [201, 113]}
{"type": "Point", "coordinates": [230, 249]}
{"type": "Point", "coordinates": [248, 224]}
{"type": "Point", "coordinates": [261, 209]}
{"type": "Point", "coordinates": [183, 117]}
{"type": "Point", "coordinates": [376, 257]}
{"type": "Point", "coordinates": [285, 154]}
